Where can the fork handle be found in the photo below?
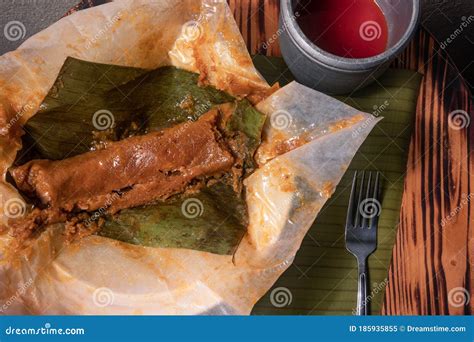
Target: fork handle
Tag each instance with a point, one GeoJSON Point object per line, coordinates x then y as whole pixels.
{"type": "Point", "coordinates": [362, 290]}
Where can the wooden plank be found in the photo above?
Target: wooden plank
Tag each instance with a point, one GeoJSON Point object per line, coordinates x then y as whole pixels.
{"type": "Point", "coordinates": [430, 271]}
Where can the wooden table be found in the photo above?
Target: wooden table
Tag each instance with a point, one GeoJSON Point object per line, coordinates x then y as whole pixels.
{"type": "Point", "coordinates": [432, 266]}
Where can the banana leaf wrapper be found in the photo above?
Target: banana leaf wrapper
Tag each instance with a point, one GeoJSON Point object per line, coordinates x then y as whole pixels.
{"type": "Point", "coordinates": [154, 101]}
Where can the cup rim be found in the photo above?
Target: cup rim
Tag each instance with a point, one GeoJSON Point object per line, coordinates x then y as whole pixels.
{"type": "Point", "coordinates": [288, 21]}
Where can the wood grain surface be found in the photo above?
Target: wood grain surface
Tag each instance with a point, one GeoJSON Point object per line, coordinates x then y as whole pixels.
{"type": "Point", "coordinates": [431, 268]}
{"type": "Point", "coordinates": [431, 271]}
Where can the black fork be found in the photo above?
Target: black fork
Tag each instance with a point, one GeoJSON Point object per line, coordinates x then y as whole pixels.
{"type": "Point", "coordinates": [361, 228]}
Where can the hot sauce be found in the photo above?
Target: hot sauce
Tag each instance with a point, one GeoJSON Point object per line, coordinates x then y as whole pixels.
{"type": "Point", "coordinates": [346, 28]}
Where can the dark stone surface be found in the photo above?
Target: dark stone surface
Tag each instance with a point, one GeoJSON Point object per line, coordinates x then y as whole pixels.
{"type": "Point", "coordinates": [35, 15]}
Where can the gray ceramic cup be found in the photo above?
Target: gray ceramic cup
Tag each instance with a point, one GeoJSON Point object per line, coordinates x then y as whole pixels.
{"type": "Point", "coordinates": [332, 74]}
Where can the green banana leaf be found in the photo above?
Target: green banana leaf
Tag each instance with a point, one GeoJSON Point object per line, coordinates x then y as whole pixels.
{"type": "Point", "coordinates": [214, 220]}
{"type": "Point", "coordinates": [136, 101]}
{"type": "Point", "coordinates": [146, 99]}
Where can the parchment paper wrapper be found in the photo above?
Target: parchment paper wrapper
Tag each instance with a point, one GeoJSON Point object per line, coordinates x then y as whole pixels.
{"type": "Point", "coordinates": [309, 140]}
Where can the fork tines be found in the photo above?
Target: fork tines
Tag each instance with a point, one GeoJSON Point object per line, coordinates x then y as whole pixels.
{"type": "Point", "coordinates": [364, 203]}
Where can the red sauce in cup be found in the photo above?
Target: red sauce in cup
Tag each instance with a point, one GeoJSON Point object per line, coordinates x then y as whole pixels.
{"type": "Point", "coordinates": [346, 28]}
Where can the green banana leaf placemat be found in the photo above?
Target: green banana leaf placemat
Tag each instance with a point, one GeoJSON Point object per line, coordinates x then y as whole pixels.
{"type": "Point", "coordinates": [323, 277]}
